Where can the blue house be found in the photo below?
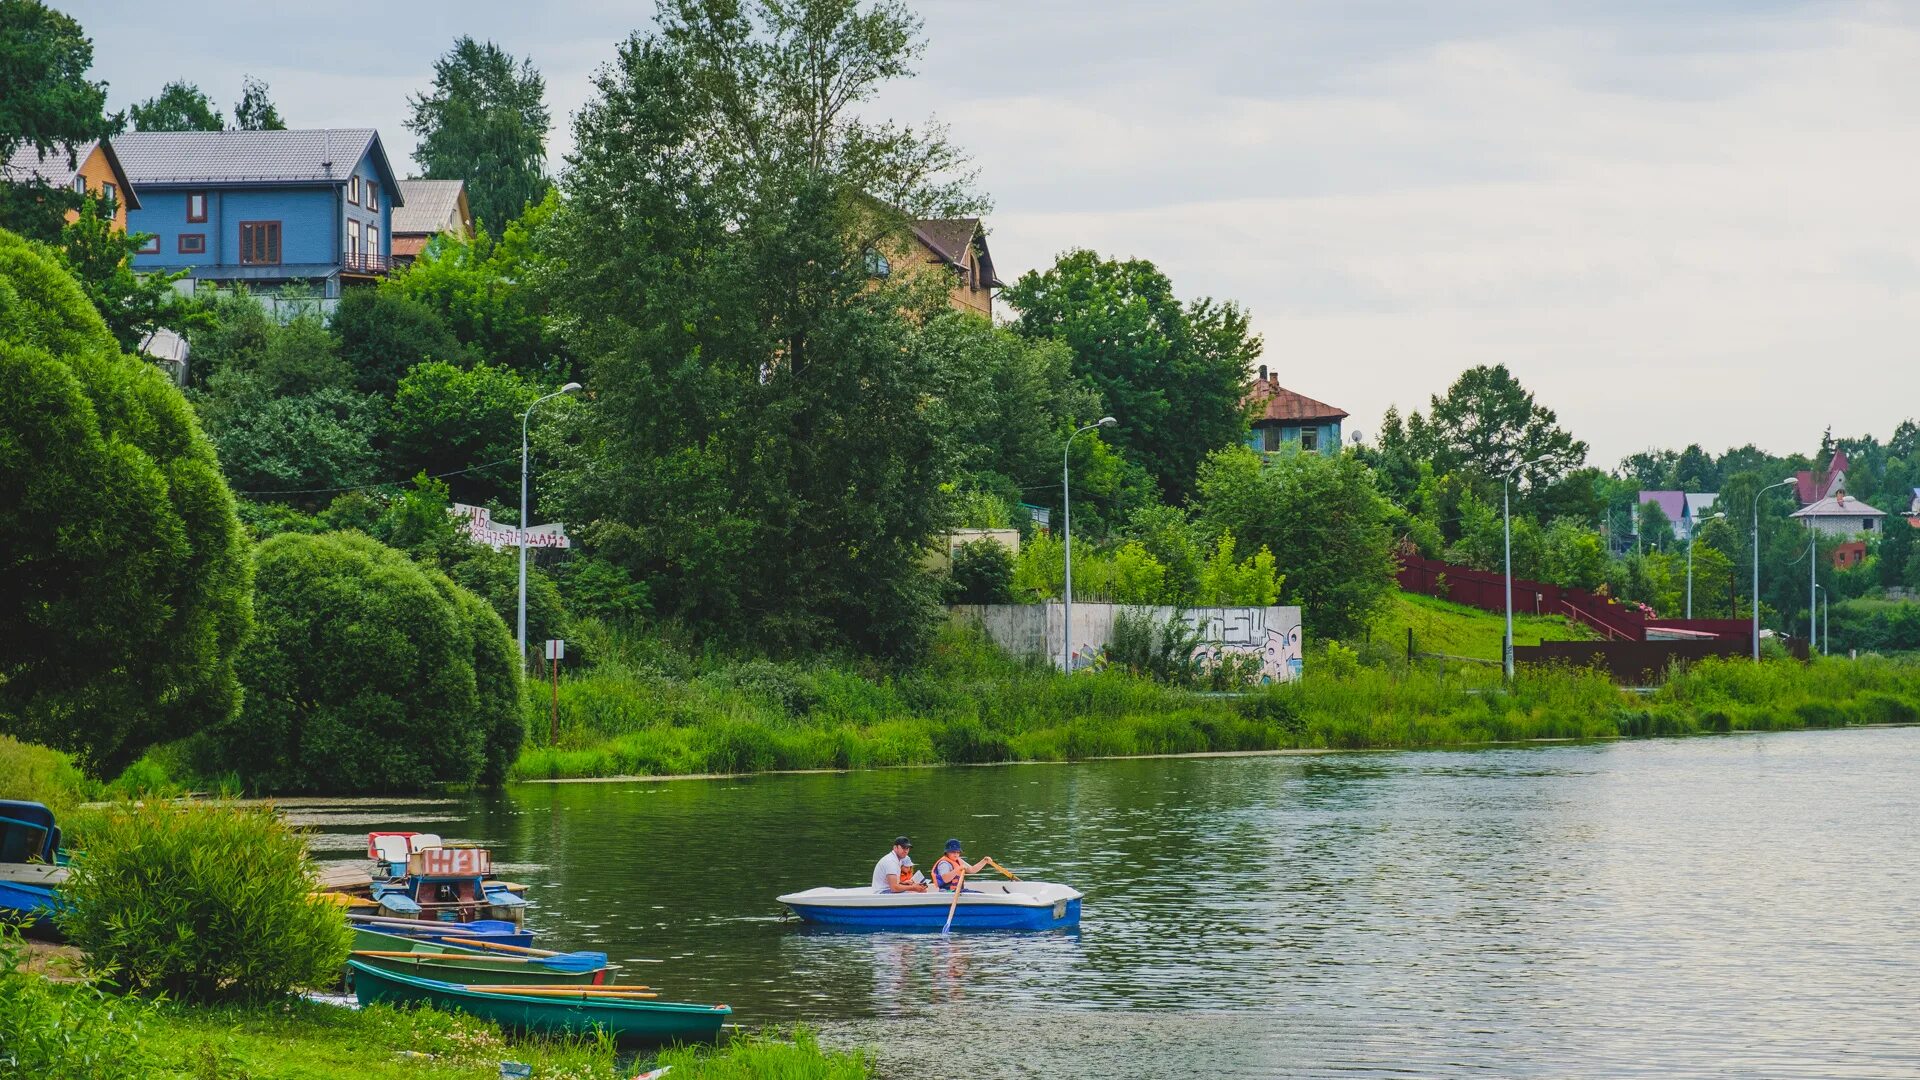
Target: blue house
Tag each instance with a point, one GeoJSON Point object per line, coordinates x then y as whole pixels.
{"type": "Point", "coordinates": [1282, 418]}
{"type": "Point", "coordinates": [263, 208]}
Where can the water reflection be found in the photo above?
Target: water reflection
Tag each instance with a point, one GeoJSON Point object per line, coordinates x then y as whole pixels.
{"type": "Point", "coordinates": [1741, 904]}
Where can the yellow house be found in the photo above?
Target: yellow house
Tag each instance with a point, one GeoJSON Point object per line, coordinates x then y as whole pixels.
{"type": "Point", "coordinates": [95, 171]}
{"type": "Point", "coordinates": [954, 246]}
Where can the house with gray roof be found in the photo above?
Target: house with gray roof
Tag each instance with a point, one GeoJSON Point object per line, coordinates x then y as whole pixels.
{"type": "Point", "coordinates": [1841, 515]}
{"type": "Point", "coordinates": [428, 209]}
{"type": "Point", "coordinates": [263, 208]}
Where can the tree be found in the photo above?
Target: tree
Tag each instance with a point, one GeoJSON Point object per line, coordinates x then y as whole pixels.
{"type": "Point", "coordinates": [1174, 375]}
{"type": "Point", "coordinates": [254, 111]}
{"type": "Point", "coordinates": [101, 257]}
{"type": "Point", "coordinates": [982, 573]}
{"type": "Point", "coordinates": [1489, 422]}
{"type": "Point", "coordinates": [383, 333]}
{"type": "Point", "coordinates": [127, 579]}
{"type": "Point", "coordinates": [46, 102]}
{"type": "Point", "coordinates": [485, 121]}
{"type": "Point", "coordinates": [1655, 528]}
{"type": "Point", "coordinates": [368, 672]}
{"type": "Point", "coordinates": [492, 294]}
{"type": "Point", "coordinates": [1322, 518]}
{"type": "Point", "coordinates": [445, 418]}
{"type": "Point", "coordinates": [756, 444]}
{"type": "Point", "coordinates": [180, 106]}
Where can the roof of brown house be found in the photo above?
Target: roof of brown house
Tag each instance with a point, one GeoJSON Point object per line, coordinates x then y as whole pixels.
{"type": "Point", "coordinates": [1277, 404]}
{"type": "Point", "coordinates": [408, 247]}
{"type": "Point", "coordinates": [949, 239]}
{"type": "Point", "coordinates": [431, 207]}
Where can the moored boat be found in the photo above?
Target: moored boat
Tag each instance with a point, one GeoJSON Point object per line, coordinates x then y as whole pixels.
{"type": "Point", "coordinates": [463, 964]}
{"type": "Point", "coordinates": [31, 865]}
{"type": "Point", "coordinates": [560, 1010]}
{"type": "Point", "coordinates": [986, 905]}
{"type": "Point", "coordinates": [492, 931]}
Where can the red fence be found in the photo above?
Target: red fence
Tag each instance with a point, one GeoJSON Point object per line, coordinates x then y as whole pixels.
{"type": "Point", "coordinates": [1609, 618]}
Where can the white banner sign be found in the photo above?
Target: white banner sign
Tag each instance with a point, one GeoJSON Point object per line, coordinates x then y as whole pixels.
{"type": "Point", "coordinates": [481, 528]}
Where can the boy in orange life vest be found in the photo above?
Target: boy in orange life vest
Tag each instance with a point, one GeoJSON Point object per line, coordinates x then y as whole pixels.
{"type": "Point", "coordinates": [946, 872]}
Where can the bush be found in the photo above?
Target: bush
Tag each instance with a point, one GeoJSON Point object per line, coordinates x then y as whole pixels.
{"type": "Point", "coordinates": [982, 574]}
{"type": "Point", "coordinates": [127, 583]}
{"type": "Point", "coordinates": [53, 1032]}
{"type": "Point", "coordinates": [382, 334]}
{"type": "Point", "coordinates": [447, 417]}
{"type": "Point", "coordinates": [766, 1056]}
{"type": "Point", "coordinates": [368, 673]}
{"type": "Point", "coordinates": [39, 774]}
{"type": "Point", "coordinates": [202, 902]}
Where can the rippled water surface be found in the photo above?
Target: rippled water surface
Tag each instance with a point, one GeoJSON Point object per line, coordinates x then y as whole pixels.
{"type": "Point", "coordinates": [1743, 905]}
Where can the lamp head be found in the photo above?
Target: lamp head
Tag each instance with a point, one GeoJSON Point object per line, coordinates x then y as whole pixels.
{"type": "Point", "coordinates": [570, 388]}
{"type": "Point", "coordinates": [1107, 421]}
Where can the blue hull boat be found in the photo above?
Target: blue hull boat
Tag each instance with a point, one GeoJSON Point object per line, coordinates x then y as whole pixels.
{"type": "Point", "coordinates": [493, 931]}
{"type": "Point", "coordinates": [993, 905]}
{"type": "Point", "coordinates": [30, 867]}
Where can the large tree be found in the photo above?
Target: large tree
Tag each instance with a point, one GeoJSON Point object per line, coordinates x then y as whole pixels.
{"type": "Point", "coordinates": [757, 443]}
{"type": "Point", "coordinates": [1491, 424]}
{"type": "Point", "coordinates": [485, 121]}
{"type": "Point", "coordinates": [180, 106]}
{"type": "Point", "coordinates": [127, 580]}
{"type": "Point", "coordinates": [46, 102]}
{"type": "Point", "coordinates": [254, 111]}
{"type": "Point", "coordinates": [1173, 374]}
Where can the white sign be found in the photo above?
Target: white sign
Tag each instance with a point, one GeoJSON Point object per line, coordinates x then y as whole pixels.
{"type": "Point", "coordinates": [482, 530]}
{"type": "Point", "coordinates": [556, 649]}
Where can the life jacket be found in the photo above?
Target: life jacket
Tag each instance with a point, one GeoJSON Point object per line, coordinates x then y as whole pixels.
{"type": "Point", "coordinates": [946, 872]}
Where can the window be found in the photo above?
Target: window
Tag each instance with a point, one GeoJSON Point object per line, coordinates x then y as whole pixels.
{"type": "Point", "coordinates": [1309, 438]}
{"type": "Point", "coordinates": [107, 193]}
{"type": "Point", "coordinates": [353, 190]}
{"type": "Point", "coordinates": [260, 243]}
{"type": "Point", "coordinates": [1866, 524]}
{"type": "Point", "coordinates": [877, 264]}
{"type": "Point", "coordinates": [79, 185]}
{"type": "Point", "coordinates": [192, 243]}
{"type": "Point", "coordinates": [373, 241]}
{"type": "Point", "coordinates": [373, 195]}
{"type": "Point", "coordinates": [196, 206]}
{"type": "Point", "coordinates": [149, 246]}
{"type": "Point", "coordinates": [1270, 437]}
{"type": "Point", "coordinates": [353, 240]}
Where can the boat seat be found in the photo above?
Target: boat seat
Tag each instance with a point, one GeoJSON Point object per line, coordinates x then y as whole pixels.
{"type": "Point", "coordinates": [422, 841]}
{"type": "Point", "coordinates": [390, 849]}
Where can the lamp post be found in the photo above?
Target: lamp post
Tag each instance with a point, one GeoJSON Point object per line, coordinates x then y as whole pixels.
{"type": "Point", "coordinates": [1826, 621]}
{"type": "Point", "coordinates": [1066, 533]}
{"type": "Point", "coordinates": [1756, 561]}
{"type": "Point", "coordinates": [1721, 516]}
{"type": "Point", "coordinates": [570, 388]}
{"type": "Point", "coordinates": [1506, 529]}
{"type": "Point", "coordinates": [1813, 581]}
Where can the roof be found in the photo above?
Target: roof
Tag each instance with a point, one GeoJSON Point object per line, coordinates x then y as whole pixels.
{"type": "Point", "coordinates": [1700, 502]}
{"type": "Point", "coordinates": [431, 206]}
{"type": "Point", "coordinates": [1277, 404]}
{"type": "Point", "coordinates": [1671, 502]}
{"type": "Point", "coordinates": [1839, 505]}
{"type": "Point", "coordinates": [28, 163]}
{"type": "Point", "coordinates": [949, 238]}
{"type": "Point", "coordinates": [310, 156]}
{"type": "Point", "coordinates": [1810, 486]}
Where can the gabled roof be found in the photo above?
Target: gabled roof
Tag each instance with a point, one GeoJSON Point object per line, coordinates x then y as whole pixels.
{"type": "Point", "coordinates": [1671, 502]}
{"type": "Point", "coordinates": [431, 207]}
{"type": "Point", "coordinates": [311, 156]}
{"type": "Point", "coordinates": [1839, 505]}
{"type": "Point", "coordinates": [949, 239]}
{"type": "Point", "coordinates": [28, 164]}
{"type": "Point", "coordinates": [1810, 486]}
{"type": "Point", "coordinates": [1700, 503]}
{"type": "Point", "coordinates": [1274, 403]}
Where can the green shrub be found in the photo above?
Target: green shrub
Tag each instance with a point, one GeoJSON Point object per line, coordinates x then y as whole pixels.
{"type": "Point", "coordinates": [766, 1056]}
{"type": "Point", "coordinates": [982, 573]}
{"type": "Point", "coordinates": [51, 1031]}
{"type": "Point", "coordinates": [40, 774]}
{"type": "Point", "coordinates": [201, 902]}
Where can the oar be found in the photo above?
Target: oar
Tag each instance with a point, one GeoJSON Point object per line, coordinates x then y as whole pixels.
{"type": "Point", "coordinates": [574, 961]}
{"type": "Point", "coordinates": [959, 886]}
{"type": "Point", "coordinates": [583, 995]}
{"type": "Point", "coordinates": [1002, 869]}
{"type": "Point", "coordinates": [468, 958]}
{"type": "Point", "coordinates": [636, 988]}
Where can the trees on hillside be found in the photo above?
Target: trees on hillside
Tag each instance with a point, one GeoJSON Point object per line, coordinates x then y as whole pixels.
{"type": "Point", "coordinates": [1174, 374]}
{"type": "Point", "coordinates": [179, 106]}
{"type": "Point", "coordinates": [484, 121]}
{"type": "Point", "coordinates": [46, 102]}
{"type": "Point", "coordinates": [254, 111]}
{"type": "Point", "coordinates": [1489, 423]}
{"type": "Point", "coordinates": [127, 577]}
{"type": "Point", "coordinates": [756, 444]}
{"type": "Point", "coordinates": [101, 258]}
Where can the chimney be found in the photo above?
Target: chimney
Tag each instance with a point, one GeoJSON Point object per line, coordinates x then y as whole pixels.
{"type": "Point", "coordinates": [1263, 373]}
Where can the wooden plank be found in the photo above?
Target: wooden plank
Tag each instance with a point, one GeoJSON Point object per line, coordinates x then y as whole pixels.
{"type": "Point", "coordinates": [33, 874]}
{"type": "Point", "coordinates": [344, 875]}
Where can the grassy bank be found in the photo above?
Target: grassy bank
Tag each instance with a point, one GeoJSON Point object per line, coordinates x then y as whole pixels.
{"type": "Point", "coordinates": [644, 709]}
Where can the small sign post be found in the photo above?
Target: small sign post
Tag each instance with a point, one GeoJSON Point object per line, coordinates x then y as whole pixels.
{"type": "Point", "coordinates": [556, 651]}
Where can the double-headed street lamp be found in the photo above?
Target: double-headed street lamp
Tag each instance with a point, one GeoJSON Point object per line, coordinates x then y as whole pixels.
{"type": "Point", "coordinates": [572, 387]}
{"type": "Point", "coordinates": [1066, 533]}
{"type": "Point", "coordinates": [1721, 516]}
{"type": "Point", "coordinates": [1756, 560]}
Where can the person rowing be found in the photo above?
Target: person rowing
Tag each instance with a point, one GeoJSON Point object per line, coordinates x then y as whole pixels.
{"type": "Point", "coordinates": [894, 872]}
{"type": "Point", "coordinates": [952, 867]}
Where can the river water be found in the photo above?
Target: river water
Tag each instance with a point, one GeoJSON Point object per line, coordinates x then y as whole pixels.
{"type": "Point", "coordinates": [1736, 905]}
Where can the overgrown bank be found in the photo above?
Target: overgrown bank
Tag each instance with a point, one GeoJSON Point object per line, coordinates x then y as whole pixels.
{"type": "Point", "coordinates": [644, 708]}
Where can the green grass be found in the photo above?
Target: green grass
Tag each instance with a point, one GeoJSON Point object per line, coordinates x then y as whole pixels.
{"type": "Point", "coordinates": [1440, 626]}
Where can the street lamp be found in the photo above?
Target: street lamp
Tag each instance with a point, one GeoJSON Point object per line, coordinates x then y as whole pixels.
{"type": "Point", "coordinates": [1826, 621]}
{"type": "Point", "coordinates": [1756, 560]}
{"type": "Point", "coordinates": [572, 387]}
{"type": "Point", "coordinates": [1813, 580]}
{"type": "Point", "coordinates": [1721, 516]}
{"type": "Point", "coordinates": [1066, 533]}
{"type": "Point", "coordinates": [1506, 529]}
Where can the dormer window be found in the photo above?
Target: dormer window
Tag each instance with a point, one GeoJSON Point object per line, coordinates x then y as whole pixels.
{"type": "Point", "coordinates": [353, 190]}
{"type": "Point", "coordinates": [877, 264]}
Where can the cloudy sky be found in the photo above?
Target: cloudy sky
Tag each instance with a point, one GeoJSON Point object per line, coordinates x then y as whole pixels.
{"type": "Point", "coordinates": [1676, 222]}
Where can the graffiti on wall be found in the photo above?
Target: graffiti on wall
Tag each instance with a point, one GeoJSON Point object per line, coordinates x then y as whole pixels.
{"type": "Point", "coordinates": [1279, 653]}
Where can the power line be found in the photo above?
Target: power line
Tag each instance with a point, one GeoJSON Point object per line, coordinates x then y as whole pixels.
{"type": "Point", "coordinates": [378, 484]}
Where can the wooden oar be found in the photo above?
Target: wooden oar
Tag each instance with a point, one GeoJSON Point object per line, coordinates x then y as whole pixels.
{"type": "Point", "coordinates": [476, 943]}
{"type": "Point", "coordinates": [959, 886]}
{"type": "Point", "coordinates": [462, 958]}
{"type": "Point", "coordinates": [1002, 869]}
{"type": "Point", "coordinates": [572, 992]}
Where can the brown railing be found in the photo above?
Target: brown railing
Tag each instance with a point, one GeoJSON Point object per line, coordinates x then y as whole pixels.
{"type": "Point", "coordinates": [359, 262]}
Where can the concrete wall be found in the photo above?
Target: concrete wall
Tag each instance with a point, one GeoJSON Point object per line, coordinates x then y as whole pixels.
{"type": "Point", "coordinates": [1271, 633]}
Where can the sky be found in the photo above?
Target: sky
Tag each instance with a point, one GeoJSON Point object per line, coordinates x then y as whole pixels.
{"type": "Point", "coordinates": [1675, 222]}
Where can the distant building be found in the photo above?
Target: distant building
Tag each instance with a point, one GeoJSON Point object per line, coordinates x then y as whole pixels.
{"type": "Point", "coordinates": [95, 170]}
{"type": "Point", "coordinates": [1283, 418]}
{"type": "Point", "coordinates": [956, 247]}
{"type": "Point", "coordinates": [264, 208]}
{"type": "Point", "coordinates": [1838, 515]}
{"type": "Point", "coordinates": [1810, 486]}
{"type": "Point", "coordinates": [428, 209]}
{"type": "Point", "coordinates": [1695, 508]}
{"type": "Point", "coordinates": [1671, 503]}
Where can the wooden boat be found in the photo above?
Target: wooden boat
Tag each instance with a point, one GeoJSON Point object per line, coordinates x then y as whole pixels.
{"type": "Point", "coordinates": [492, 931]}
{"type": "Point", "coordinates": [985, 905]}
{"type": "Point", "coordinates": [461, 964]}
{"type": "Point", "coordinates": [31, 869]}
{"type": "Point", "coordinates": [557, 1010]}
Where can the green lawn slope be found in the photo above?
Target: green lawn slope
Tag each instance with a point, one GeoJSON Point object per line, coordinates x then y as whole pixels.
{"type": "Point", "coordinates": [1457, 630]}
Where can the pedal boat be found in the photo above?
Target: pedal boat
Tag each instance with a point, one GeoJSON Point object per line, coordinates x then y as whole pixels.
{"type": "Point", "coordinates": [985, 905]}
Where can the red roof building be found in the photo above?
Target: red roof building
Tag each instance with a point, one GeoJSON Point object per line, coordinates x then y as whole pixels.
{"type": "Point", "coordinates": [1282, 417]}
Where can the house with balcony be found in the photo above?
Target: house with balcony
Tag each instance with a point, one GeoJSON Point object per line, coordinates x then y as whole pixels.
{"type": "Point", "coordinates": [1284, 418]}
{"type": "Point", "coordinates": [429, 208]}
{"type": "Point", "coordinates": [263, 208]}
{"type": "Point", "coordinates": [92, 169]}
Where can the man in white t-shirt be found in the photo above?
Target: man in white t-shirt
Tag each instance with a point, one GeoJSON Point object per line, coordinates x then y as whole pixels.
{"type": "Point", "coordinates": [894, 872]}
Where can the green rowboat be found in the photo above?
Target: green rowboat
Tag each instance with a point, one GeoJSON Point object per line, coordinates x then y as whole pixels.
{"type": "Point", "coordinates": [630, 1021]}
